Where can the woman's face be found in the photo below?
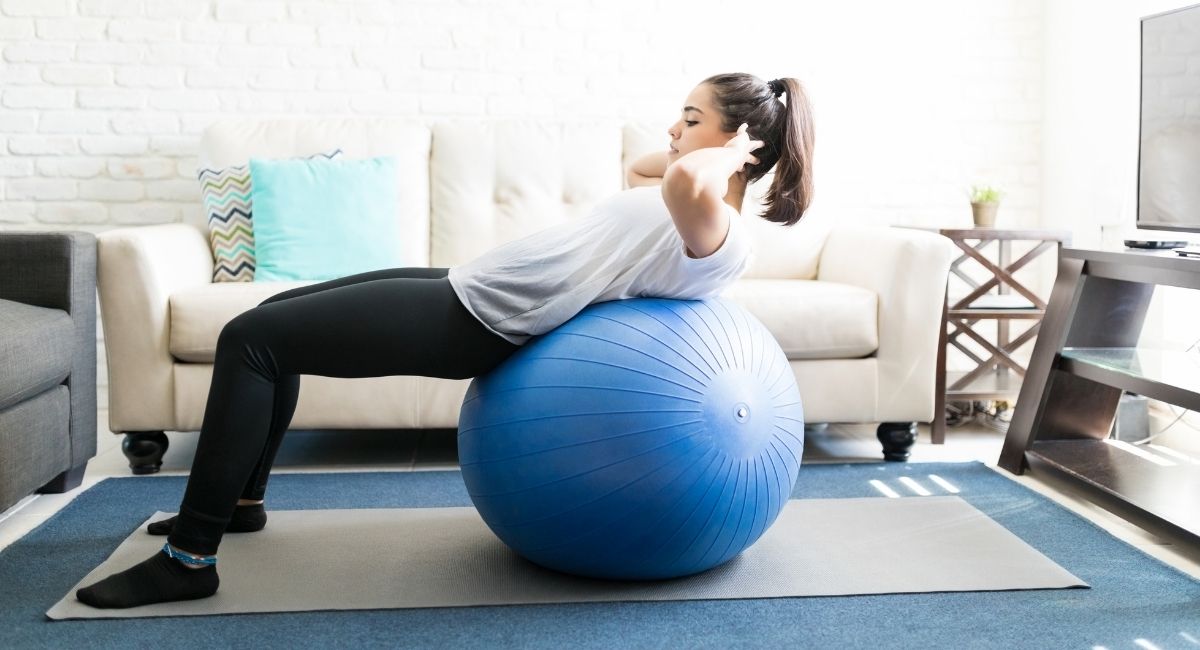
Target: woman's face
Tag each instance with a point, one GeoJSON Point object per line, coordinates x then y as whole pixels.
{"type": "Point", "coordinates": [698, 126]}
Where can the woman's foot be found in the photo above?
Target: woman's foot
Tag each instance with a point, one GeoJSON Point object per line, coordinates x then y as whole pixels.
{"type": "Point", "coordinates": [159, 579]}
{"type": "Point", "coordinates": [246, 519]}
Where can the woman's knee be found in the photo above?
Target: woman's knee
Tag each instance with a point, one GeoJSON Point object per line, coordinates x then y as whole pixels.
{"type": "Point", "coordinates": [282, 295]}
{"type": "Point", "coordinates": [249, 339]}
{"type": "Point", "coordinates": [246, 327]}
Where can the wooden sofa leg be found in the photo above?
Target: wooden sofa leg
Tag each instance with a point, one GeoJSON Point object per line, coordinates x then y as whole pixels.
{"type": "Point", "coordinates": [145, 450]}
{"type": "Point", "coordinates": [897, 438]}
{"type": "Point", "coordinates": [65, 482]}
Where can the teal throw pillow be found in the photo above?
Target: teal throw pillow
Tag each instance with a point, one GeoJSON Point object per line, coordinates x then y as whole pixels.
{"type": "Point", "coordinates": [324, 219]}
{"type": "Point", "coordinates": [226, 196]}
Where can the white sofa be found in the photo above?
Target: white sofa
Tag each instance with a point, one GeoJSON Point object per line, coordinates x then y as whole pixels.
{"type": "Point", "coordinates": [856, 309]}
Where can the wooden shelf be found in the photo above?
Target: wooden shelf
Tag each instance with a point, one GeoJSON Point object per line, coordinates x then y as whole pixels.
{"type": "Point", "coordinates": [1165, 375]}
{"type": "Point", "coordinates": [1164, 489]}
{"type": "Point", "coordinates": [1150, 267]}
{"type": "Point", "coordinates": [989, 386]}
{"type": "Point", "coordinates": [976, 312]}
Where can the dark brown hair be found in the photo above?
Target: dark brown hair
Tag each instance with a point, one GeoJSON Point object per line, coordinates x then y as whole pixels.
{"type": "Point", "coordinates": [784, 124]}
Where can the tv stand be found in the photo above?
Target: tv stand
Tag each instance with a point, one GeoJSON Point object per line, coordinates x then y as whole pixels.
{"type": "Point", "coordinates": [1086, 356]}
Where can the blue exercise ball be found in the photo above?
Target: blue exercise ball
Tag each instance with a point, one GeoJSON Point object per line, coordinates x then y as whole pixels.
{"type": "Point", "coordinates": [644, 439]}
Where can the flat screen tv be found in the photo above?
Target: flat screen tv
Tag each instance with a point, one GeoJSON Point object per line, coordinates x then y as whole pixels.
{"type": "Point", "coordinates": [1168, 195]}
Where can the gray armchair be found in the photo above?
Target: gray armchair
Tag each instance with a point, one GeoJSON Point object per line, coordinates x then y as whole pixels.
{"type": "Point", "coordinates": [47, 361]}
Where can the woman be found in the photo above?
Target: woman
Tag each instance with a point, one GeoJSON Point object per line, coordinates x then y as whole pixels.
{"type": "Point", "coordinates": [683, 240]}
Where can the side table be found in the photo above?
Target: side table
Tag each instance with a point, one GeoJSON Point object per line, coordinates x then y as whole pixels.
{"type": "Point", "coordinates": [999, 375]}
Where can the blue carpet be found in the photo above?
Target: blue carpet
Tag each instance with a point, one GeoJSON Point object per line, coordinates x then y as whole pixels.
{"type": "Point", "coordinates": [1133, 596]}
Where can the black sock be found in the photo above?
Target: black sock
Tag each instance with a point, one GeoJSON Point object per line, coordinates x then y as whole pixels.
{"type": "Point", "coordinates": [157, 580]}
{"type": "Point", "coordinates": [246, 519]}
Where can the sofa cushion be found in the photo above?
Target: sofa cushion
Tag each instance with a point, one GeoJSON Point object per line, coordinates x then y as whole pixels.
{"type": "Point", "coordinates": [36, 344]}
{"type": "Point", "coordinates": [497, 181]}
{"type": "Point", "coordinates": [810, 319]}
{"type": "Point", "coordinates": [813, 319]}
{"type": "Point", "coordinates": [198, 313]}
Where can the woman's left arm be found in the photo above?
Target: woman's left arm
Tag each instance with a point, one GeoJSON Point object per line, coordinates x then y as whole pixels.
{"type": "Point", "coordinates": [694, 189]}
{"type": "Point", "coordinates": [647, 170]}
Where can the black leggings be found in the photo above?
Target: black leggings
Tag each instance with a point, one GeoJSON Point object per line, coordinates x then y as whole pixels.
{"type": "Point", "coordinates": [405, 321]}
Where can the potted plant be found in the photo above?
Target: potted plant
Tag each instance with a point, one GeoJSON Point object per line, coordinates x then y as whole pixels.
{"type": "Point", "coordinates": [985, 200]}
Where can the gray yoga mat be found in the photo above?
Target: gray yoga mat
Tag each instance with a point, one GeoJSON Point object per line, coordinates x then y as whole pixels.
{"type": "Point", "coordinates": [307, 560]}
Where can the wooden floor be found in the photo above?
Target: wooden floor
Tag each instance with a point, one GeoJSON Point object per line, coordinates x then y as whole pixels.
{"type": "Point", "coordinates": [358, 451]}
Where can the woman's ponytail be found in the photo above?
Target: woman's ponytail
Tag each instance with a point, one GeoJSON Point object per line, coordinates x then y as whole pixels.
{"type": "Point", "coordinates": [792, 190]}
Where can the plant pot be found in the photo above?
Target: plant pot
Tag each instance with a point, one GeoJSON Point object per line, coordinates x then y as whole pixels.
{"type": "Point", "coordinates": [984, 214]}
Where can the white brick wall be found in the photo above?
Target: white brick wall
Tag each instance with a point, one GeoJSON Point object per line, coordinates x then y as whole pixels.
{"type": "Point", "coordinates": [914, 103]}
{"type": "Point", "coordinates": [102, 102]}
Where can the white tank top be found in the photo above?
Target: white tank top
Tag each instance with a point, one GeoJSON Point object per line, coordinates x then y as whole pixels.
{"type": "Point", "coordinates": [626, 248]}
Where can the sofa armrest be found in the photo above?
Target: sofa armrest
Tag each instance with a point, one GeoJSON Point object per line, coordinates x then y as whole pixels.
{"type": "Point", "coordinates": [908, 270]}
{"type": "Point", "coordinates": [57, 270]}
{"type": "Point", "coordinates": [139, 270]}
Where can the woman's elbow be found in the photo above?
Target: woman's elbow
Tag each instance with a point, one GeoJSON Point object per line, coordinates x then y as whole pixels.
{"type": "Point", "coordinates": [680, 182]}
{"type": "Point", "coordinates": [634, 179]}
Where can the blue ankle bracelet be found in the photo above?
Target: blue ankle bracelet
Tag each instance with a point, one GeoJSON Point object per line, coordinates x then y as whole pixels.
{"type": "Point", "coordinates": [188, 559]}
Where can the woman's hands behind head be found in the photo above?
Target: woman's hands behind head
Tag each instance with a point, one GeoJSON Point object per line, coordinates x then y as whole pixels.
{"type": "Point", "coordinates": [744, 145]}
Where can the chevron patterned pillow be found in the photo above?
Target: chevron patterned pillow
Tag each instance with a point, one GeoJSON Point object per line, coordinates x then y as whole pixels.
{"type": "Point", "coordinates": [226, 196]}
